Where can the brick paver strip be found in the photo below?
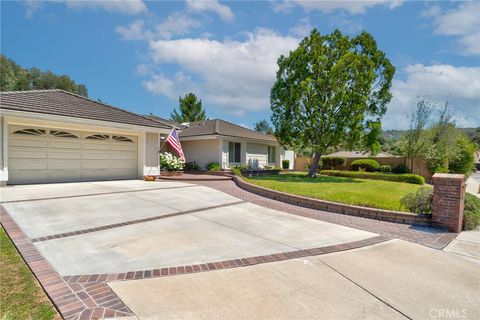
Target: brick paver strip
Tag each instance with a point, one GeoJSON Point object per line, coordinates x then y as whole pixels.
{"type": "Point", "coordinates": [96, 194]}
{"type": "Point", "coordinates": [122, 224]}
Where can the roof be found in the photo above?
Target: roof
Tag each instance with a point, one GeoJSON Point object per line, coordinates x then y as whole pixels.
{"type": "Point", "coordinates": [358, 154]}
{"type": "Point", "coordinates": [162, 120]}
{"type": "Point", "coordinates": [63, 103]}
{"type": "Point", "coordinates": [223, 128]}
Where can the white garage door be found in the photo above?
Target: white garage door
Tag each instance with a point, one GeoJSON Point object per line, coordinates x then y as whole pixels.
{"type": "Point", "coordinates": [37, 155]}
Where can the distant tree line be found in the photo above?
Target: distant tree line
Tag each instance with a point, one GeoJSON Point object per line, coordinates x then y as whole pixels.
{"type": "Point", "coordinates": [15, 78]}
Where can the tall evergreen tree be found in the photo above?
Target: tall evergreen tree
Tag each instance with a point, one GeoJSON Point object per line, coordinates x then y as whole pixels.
{"type": "Point", "coordinates": [190, 108]}
{"type": "Point", "coordinates": [263, 126]}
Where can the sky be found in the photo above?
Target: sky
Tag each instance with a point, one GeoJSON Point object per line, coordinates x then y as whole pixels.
{"type": "Point", "coordinates": [141, 55]}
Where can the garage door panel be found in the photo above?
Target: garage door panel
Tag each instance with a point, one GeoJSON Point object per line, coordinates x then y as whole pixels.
{"type": "Point", "coordinates": [27, 164]}
{"type": "Point", "coordinates": [48, 157]}
{"type": "Point", "coordinates": [27, 176]}
{"type": "Point", "coordinates": [27, 153]}
{"type": "Point", "coordinates": [36, 143]}
{"type": "Point", "coordinates": [64, 143]}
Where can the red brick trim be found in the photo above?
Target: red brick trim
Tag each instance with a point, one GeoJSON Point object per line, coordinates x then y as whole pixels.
{"type": "Point", "coordinates": [122, 224]}
{"type": "Point", "coordinates": [227, 264]}
{"type": "Point", "coordinates": [371, 213]}
{"type": "Point", "coordinates": [70, 303]}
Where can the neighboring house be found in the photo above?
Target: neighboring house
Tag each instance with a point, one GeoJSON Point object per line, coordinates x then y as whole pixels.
{"type": "Point", "coordinates": [230, 145]}
{"type": "Point", "coordinates": [359, 154]}
{"type": "Point", "coordinates": [58, 136]}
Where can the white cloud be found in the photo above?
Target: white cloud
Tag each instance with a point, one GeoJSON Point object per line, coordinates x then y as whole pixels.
{"type": "Point", "coordinates": [351, 6]}
{"type": "Point", "coordinates": [460, 86]}
{"type": "Point", "coordinates": [176, 24]}
{"type": "Point", "coordinates": [130, 7]}
{"type": "Point", "coordinates": [211, 5]}
{"type": "Point", "coordinates": [464, 22]}
{"type": "Point", "coordinates": [32, 6]}
{"type": "Point", "coordinates": [234, 75]}
{"type": "Point", "coordinates": [303, 28]}
{"type": "Point", "coordinates": [134, 31]}
{"type": "Point", "coordinates": [173, 87]}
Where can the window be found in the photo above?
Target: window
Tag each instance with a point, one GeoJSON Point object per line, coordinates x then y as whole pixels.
{"type": "Point", "coordinates": [271, 154]}
{"type": "Point", "coordinates": [33, 132]}
{"type": "Point", "coordinates": [62, 134]}
{"type": "Point", "coordinates": [121, 138]}
{"type": "Point", "coordinates": [234, 152]}
{"type": "Point", "coordinates": [98, 137]}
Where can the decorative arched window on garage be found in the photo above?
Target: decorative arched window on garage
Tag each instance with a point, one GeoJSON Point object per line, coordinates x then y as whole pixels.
{"type": "Point", "coordinates": [62, 134]}
{"type": "Point", "coordinates": [98, 137]}
{"type": "Point", "coordinates": [122, 138]}
{"type": "Point", "coordinates": [31, 131]}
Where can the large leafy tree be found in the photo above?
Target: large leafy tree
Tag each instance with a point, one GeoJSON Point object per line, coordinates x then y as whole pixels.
{"type": "Point", "coordinates": [190, 109]}
{"type": "Point", "coordinates": [14, 77]}
{"type": "Point", "coordinates": [332, 90]}
{"type": "Point", "coordinates": [263, 126]}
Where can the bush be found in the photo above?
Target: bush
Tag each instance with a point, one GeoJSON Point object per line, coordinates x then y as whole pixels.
{"type": "Point", "coordinates": [170, 162]}
{"type": "Point", "coordinates": [368, 165]}
{"type": "Point", "coordinates": [214, 166]}
{"type": "Point", "coordinates": [407, 178]}
{"type": "Point", "coordinates": [471, 212]}
{"type": "Point", "coordinates": [285, 164]}
{"type": "Point", "coordinates": [385, 168]}
{"type": "Point", "coordinates": [237, 172]}
{"type": "Point", "coordinates": [463, 160]}
{"type": "Point", "coordinates": [401, 168]}
{"type": "Point", "coordinates": [192, 166]}
{"type": "Point", "coordinates": [241, 167]}
{"type": "Point", "coordinates": [333, 162]}
{"type": "Point", "coordinates": [419, 202]}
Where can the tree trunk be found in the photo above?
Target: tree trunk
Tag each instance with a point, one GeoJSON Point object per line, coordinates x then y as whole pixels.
{"type": "Point", "coordinates": [314, 165]}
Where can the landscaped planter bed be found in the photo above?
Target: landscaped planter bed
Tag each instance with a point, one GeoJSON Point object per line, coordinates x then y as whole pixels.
{"type": "Point", "coordinates": [255, 173]}
{"type": "Point", "coordinates": [372, 213]}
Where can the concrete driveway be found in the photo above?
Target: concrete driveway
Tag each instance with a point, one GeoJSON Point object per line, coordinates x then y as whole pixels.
{"type": "Point", "coordinates": [122, 226]}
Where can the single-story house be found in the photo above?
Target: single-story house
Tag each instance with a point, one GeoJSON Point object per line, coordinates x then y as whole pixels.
{"type": "Point", "coordinates": [58, 136]}
{"type": "Point", "coordinates": [230, 145]}
{"type": "Point", "coordinates": [359, 154]}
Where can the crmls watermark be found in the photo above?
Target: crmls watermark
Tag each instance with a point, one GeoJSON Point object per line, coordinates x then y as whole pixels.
{"type": "Point", "coordinates": [444, 313]}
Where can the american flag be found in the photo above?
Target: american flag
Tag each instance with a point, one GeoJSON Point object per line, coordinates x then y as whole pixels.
{"type": "Point", "coordinates": [174, 142]}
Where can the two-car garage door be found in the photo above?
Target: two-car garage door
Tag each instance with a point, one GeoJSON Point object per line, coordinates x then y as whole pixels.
{"type": "Point", "coordinates": [38, 155]}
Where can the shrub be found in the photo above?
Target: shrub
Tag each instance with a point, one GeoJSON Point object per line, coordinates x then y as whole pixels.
{"type": "Point", "coordinates": [333, 162]}
{"type": "Point", "coordinates": [385, 168]}
{"type": "Point", "coordinates": [419, 202]}
{"type": "Point", "coordinates": [241, 167]}
{"type": "Point", "coordinates": [193, 166]}
{"type": "Point", "coordinates": [170, 162]}
{"type": "Point", "coordinates": [369, 165]}
{"type": "Point", "coordinates": [471, 212]}
{"type": "Point", "coordinates": [213, 166]}
{"type": "Point", "coordinates": [285, 164]}
{"type": "Point", "coordinates": [237, 172]}
{"type": "Point", "coordinates": [407, 178]}
{"type": "Point", "coordinates": [401, 168]}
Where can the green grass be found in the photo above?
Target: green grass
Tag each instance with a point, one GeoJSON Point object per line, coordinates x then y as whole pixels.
{"type": "Point", "coordinates": [21, 297]}
{"type": "Point", "coordinates": [363, 192]}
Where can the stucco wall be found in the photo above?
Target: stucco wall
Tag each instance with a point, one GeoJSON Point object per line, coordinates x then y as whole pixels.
{"type": "Point", "coordinates": [257, 155]}
{"type": "Point", "coordinates": [287, 155]}
{"type": "Point", "coordinates": [152, 157]}
{"type": "Point", "coordinates": [202, 151]}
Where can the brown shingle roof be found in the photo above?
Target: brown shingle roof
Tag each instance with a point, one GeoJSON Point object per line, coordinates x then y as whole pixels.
{"type": "Point", "coordinates": [224, 128]}
{"type": "Point", "coordinates": [358, 154]}
{"type": "Point", "coordinates": [162, 120]}
{"type": "Point", "coordinates": [63, 103]}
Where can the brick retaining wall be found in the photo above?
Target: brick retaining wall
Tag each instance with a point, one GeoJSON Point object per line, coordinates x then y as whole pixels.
{"type": "Point", "coordinates": [372, 213]}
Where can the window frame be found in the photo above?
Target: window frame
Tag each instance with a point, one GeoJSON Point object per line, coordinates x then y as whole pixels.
{"type": "Point", "coordinates": [234, 152]}
{"type": "Point", "coordinates": [271, 154]}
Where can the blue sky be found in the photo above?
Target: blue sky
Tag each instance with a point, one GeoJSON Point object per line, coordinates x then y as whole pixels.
{"type": "Point", "coordinates": [142, 55]}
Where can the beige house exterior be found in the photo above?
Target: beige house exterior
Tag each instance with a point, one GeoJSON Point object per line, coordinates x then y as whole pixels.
{"type": "Point", "coordinates": [231, 145]}
{"type": "Point", "coordinates": [57, 136]}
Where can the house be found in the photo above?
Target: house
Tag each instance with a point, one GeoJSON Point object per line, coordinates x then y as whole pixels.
{"type": "Point", "coordinates": [58, 136]}
{"type": "Point", "coordinates": [359, 154]}
{"type": "Point", "coordinates": [230, 145]}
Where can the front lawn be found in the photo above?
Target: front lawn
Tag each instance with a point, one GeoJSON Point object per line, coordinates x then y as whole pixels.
{"type": "Point", "coordinates": [20, 294]}
{"type": "Point", "coordinates": [363, 192]}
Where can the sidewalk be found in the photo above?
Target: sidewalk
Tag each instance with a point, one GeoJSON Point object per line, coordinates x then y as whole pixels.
{"type": "Point", "coordinates": [467, 243]}
{"type": "Point", "coordinates": [473, 184]}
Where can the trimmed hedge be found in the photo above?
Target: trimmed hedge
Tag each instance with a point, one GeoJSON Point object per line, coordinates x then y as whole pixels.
{"type": "Point", "coordinates": [369, 165]}
{"type": "Point", "coordinates": [408, 178]}
{"type": "Point", "coordinates": [385, 168]}
{"type": "Point", "coordinates": [214, 166]}
{"type": "Point", "coordinates": [332, 162]}
{"type": "Point", "coordinates": [285, 164]}
{"type": "Point", "coordinates": [471, 212]}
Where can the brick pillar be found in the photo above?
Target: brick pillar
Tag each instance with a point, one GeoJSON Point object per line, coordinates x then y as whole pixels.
{"type": "Point", "coordinates": [448, 201]}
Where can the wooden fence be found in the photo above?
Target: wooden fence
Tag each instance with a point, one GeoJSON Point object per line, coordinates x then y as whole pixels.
{"type": "Point", "coordinates": [417, 165]}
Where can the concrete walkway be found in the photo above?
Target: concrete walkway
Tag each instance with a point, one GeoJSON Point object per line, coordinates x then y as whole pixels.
{"type": "Point", "coordinates": [473, 184]}
{"type": "Point", "coordinates": [466, 244]}
{"type": "Point", "coordinates": [392, 280]}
